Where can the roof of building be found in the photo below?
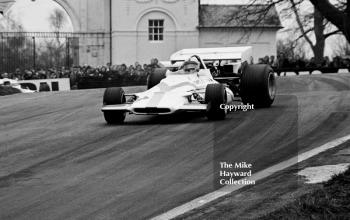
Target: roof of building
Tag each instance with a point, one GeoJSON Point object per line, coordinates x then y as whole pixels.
{"type": "Point", "coordinates": [238, 16]}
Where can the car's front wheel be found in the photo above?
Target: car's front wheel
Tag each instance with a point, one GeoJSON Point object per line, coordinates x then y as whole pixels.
{"type": "Point", "coordinates": [114, 96]}
{"type": "Point", "coordinates": [215, 98]}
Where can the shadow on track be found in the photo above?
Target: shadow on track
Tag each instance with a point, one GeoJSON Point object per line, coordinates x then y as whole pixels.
{"type": "Point", "coordinates": [178, 118]}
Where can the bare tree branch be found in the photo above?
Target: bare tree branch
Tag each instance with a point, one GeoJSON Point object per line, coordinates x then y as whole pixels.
{"type": "Point", "coordinates": [331, 33]}
{"type": "Point", "coordinates": [300, 24]}
{"type": "Point", "coordinates": [341, 19]}
{"type": "Point", "coordinates": [306, 32]}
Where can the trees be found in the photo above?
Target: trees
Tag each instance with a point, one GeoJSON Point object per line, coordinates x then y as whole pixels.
{"type": "Point", "coordinates": [19, 49]}
{"type": "Point", "coordinates": [315, 23]}
{"type": "Point", "coordinates": [290, 48]}
{"type": "Point", "coordinates": [8, 23]}
{"type": "Point", "coordinates": [336, 11]}
{"type": "Point", "coordinates": [316, 26]}
{"type": "Point", "coordinates": [57, 20]}
{"type": "Point", "coordinates": [338, 14]}
{"type": "Point", "coordinates": [342, 48]}
{"type": "Point", "coordinates": [56, 50]}
{"type": "Point", "coordinates": [15, 50]}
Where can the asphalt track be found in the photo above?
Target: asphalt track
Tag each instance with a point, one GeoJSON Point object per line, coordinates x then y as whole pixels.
{"type": "Point", "coordinates": [59, 160]}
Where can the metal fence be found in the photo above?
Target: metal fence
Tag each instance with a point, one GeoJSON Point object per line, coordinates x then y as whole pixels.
{"type": "Point", "coordinates": [36, 50]}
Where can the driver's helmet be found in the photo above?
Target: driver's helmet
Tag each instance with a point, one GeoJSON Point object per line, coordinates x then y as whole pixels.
{"type": "Point", "coordinates": [190, 66]}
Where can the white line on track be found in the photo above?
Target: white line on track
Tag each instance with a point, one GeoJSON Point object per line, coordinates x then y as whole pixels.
{"type": "Point", "coordinates": [200, 201]}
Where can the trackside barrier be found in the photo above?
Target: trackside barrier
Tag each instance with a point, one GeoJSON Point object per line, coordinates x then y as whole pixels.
{"type": "Point", "coordinates": [93, 84]}
{"type": "Point", "coordinates": [344, 71]}
{"type": "Point", "coordinates": [61, 84]}
{"type": "Point", "coordinates": [308, 69]}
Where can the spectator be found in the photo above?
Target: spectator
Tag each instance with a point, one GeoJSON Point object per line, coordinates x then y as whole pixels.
{"type": "Point", "coordinates": [266, 60]}
{"type": "Point", "coordinates": [326, 62]}
{"type": "Point", "coordinates": [251, 60]}
{"type": "Point", "coordinates": [282, 61]}
{"type": "Point", "coordinates": [311, 63]}
{"type": "Point", "coordinates": [155, 63]}
{"type": "Point", "coordinates": [336, 62]}
{"type": "Point", "coordinates": [17, 75]}
{"type": "Point", "coordinates": [108, 67]}
{"type": "Point", "coordinates": [4, 76]}
{"type": "Point", "coordinates": [28, 75]}
{"type": "Point", "coordinates": [123, 69]}
{"type": "Point", "coordinates": [299, 63]}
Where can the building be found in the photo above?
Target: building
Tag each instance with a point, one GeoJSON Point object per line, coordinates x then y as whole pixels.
{"type": "Point", "coordinates": [145, 29]}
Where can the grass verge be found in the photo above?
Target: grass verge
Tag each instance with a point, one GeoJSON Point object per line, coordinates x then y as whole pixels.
{"type": "Point", "coordinates": [331, 201]}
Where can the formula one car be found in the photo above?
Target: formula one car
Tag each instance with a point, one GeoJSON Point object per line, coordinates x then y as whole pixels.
{"type": "Point", "coordinates": [191, 88]}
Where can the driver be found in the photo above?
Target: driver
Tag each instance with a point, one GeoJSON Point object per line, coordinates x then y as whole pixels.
{"type": "Point", "coordinates": [190, 67]}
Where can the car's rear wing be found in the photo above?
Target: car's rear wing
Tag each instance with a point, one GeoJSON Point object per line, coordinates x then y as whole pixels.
{"type": "Point", "coordinates": [212, 54]}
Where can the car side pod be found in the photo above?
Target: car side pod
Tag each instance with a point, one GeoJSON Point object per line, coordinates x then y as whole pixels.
{"type": "Point", "coordinates": [258, 85]}
{"type": "Point", "coordinates": [114, 96]}
{"type": "Point", "coordinates": [215, 95]}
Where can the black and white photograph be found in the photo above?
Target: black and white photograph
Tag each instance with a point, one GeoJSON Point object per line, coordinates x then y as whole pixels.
{"type": "Point", "coordinates": [174, 109]}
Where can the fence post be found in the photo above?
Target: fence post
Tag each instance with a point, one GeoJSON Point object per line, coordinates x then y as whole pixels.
{"type": "Point", "coordinates": [34, 54]}
{"type": "Point", "coordinates": [67, 53]}
{"type": "Point", "coordinates": [2, 54]}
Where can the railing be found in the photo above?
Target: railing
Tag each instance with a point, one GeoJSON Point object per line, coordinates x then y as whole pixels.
{"type": "Point", "coordinates": [44, 50]}
{"type": "Point", "coordinates": [50, 34]}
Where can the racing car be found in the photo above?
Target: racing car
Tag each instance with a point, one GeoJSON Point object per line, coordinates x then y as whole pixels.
{"type": "Point", "coordinates": [192, 88]}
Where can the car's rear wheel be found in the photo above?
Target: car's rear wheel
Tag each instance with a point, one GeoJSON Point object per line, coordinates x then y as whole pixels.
{"type": "Point", "coordinates": [215, 97]}
{"type": "Point", "coordinates": [258, 85]}
{"type": "Point", "coordinates": [114, 96]}
{"type": "Point", "coordinates": [155, 77]}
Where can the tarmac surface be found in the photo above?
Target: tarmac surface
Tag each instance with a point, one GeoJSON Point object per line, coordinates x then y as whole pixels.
{"type": "Point", "coordinates": [59, 159]}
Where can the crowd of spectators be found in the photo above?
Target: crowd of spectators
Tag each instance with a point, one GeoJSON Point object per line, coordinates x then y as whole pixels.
{"type": "Point", "coordinates": [136, 72]}
{"type": "Point", "coordinates": [297, 62]}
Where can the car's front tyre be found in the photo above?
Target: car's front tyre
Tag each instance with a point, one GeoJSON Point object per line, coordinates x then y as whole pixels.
{"type": "Point", "coordinates": [215, 97]}
{"type": "Point", "coordinates": [114, 96]}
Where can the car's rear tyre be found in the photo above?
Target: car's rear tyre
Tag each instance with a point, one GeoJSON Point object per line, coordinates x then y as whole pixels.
{"type": "Point", "coordinates": [155, 77]}
{"type": "Point", "coordinates": [258, 85]}
{"type": "Point", "coordinates": [215, 96]}
{"type": "Point", "coordinates": [114, 96]}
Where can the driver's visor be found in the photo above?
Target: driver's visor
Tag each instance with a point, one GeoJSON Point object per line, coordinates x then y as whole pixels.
{"type": "Point", "coordinates": [190, 69]}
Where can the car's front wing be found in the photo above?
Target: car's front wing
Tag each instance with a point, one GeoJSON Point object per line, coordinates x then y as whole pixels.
{"type": "Point", "coordinates": [195, 107]}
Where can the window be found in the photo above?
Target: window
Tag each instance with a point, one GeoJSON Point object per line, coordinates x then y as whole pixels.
{"type": "Point", "coordinates": [156, 30]}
